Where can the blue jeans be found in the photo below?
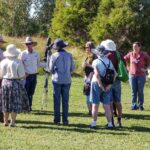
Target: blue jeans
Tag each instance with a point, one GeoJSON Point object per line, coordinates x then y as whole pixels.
{"type": "Point", "coordinates": [30, 86]}
{"type": "Point", "coordinates": [137, 86]}
{"type": "Point", "coordinates": [61, 91]}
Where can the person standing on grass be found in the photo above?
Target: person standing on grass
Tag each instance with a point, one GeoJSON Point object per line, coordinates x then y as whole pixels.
{"type": "Point", "coordinates": [61, 66]}
{"type": "Point", "coordinates": [137, 74]}
{"type": "Point", "coordinates": [101, 92]}
{"type": "Point", "coordinates": [88, 70]}
{"type": "Point", "coordinates": [110, 53]}
{"type": "Point", "coordinates": [31, 62]}
{"type": "Point", "coordinates": [14, 97]}
{"type": "Point", "coordinates": [1, 58]}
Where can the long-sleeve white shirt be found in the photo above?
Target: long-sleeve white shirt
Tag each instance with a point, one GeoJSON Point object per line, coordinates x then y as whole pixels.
{"type": "Point", "coordinates": [31, 61]}
{"type": "Point", "coordinates": [11, 68]}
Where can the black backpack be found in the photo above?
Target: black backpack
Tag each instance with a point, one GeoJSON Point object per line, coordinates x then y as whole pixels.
{"type": "Point", "coordinates": [108, 78]}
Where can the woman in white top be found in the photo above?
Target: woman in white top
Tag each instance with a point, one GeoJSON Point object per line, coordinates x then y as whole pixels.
{"type": "Point", "coordinates": [14, 98]}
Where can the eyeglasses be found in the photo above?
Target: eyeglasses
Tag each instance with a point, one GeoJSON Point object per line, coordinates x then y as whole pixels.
{"type": "Point", "coordinates": [29, 43]}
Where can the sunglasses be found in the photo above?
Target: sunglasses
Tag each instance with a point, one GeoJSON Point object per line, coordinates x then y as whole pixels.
{"type": "Point", "coordinates": [29, 43]}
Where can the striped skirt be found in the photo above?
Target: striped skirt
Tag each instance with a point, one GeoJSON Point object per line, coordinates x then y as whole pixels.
{"type": "Point", "coordinates": [13, 97]}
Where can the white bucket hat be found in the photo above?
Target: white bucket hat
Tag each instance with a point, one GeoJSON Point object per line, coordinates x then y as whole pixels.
{"type": "Point", "coordinates": [109, 45]}
{"type": "Point", "coordinates": [11, 51]}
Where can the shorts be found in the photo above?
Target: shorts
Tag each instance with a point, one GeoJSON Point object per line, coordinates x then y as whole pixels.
{"type": "Point", "coordinates": [116, 92]}
{"type": "Point", "coordinates": [97, 95]}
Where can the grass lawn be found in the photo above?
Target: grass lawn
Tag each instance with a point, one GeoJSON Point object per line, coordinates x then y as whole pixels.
{"type": "Point", "coordinates": [35, 131]}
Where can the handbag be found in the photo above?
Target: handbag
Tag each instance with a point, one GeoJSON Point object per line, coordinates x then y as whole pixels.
{"type": "Point", "coordinates": [121, 71]}
{"type": "Point", "coordinates": [86, 89]}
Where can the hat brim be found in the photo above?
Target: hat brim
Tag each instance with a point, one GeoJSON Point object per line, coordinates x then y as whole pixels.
{"type": "Point", "coordinates": [3, 41]}
{"type": "Point", "coordinates": [33, 43]}
{"type": "Point", "coordinates": [108, 47]}
{"type": "Point", "coordinates": [6, 54]}
{"type": "Point", "coordinates": [65, 44]}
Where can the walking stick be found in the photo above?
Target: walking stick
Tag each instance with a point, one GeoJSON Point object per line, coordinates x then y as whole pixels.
{"type": "Point", "coordinates": [47, 56]}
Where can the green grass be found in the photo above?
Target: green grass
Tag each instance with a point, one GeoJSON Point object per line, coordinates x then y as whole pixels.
{"type": "Point", "coordinates": [35, 131]}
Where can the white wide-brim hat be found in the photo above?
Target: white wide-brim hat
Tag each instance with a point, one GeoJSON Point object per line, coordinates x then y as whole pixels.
{"type": "Point", "coordinates": [11, 51]}
{"type": "Point", "coordinates": [109, 45]}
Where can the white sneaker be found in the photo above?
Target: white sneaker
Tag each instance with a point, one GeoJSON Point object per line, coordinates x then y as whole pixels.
{"type": "Point", "coordinates": [93, 124]}
{"type": "Point", "coordinates": [110, 125]}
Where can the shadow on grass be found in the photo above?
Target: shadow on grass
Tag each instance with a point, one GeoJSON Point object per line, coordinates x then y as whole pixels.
{"type": "Point", "coordinates": [137, 129]}
{"type": "Point", "coordinates": [71, 114]}
{"type": "Point", "coordinates": [42, 112]}
{"type": "Point", "coordinates": [82, 128]}
{"type": "Point", "coordinates": [136, 116]}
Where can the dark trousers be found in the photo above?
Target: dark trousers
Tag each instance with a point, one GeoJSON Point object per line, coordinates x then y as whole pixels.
{"type": "Point", "coordinates": [1, 114]}
{"type": "Point", "coordinates": [1, 117]}
{"type": "Point", "coordinates": [61, 91]}
{"type": "Point", "coordinates": [30, 86]}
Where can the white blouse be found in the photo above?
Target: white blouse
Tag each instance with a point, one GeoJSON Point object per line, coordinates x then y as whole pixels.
{"type": "Point", "coordinates": [11, 68]}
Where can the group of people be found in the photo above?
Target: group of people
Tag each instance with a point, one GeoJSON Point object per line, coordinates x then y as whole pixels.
{"type": "Point", "coordinates": [96, 90]}
{"type": "Point", "coordinates": [18, 74]}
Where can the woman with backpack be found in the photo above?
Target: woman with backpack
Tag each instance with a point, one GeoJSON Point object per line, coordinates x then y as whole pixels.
{"type": "Point", "coordinates": [88, 70]}
{"type": "Point", "coordinates": [110, 53]}
{"type": "Point", "coordinates": [101, 86]}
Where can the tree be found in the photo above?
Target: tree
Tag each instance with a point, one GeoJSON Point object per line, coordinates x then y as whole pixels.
{"type": "Point", "coordinates": [72, 18]}
{"type": "Point", "coordinates": [124, 21]}
{"type": "Point", "coordinates": [15, 16]}
{"type": "Point", "coordinates": [43, 14]}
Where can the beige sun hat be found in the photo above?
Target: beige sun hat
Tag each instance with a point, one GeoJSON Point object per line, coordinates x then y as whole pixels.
{"type": "Point", "coordinates": [11, 51]}
{"type": "Point", "coordinates": [2, 40]}
{"type": "Point", "coordinates": [29, 40]}
{"type": "Point", "coordinates": [109, 45]}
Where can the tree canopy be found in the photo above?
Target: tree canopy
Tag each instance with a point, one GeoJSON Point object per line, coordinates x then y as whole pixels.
{"type": "Point", "coordinates": [124, 21]}
{"type": "Point", "coordinates": [78, 21]}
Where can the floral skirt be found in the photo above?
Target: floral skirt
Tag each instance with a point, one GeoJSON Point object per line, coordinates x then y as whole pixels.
{"type": "Point", "coordinates": [13, 97]}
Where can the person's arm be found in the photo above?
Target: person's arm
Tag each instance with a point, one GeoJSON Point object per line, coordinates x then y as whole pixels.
{"type": "Point", "coordinates": [126, 58]}
{"type": "Point", "coordinates": [21, 71]}
{"type": "Point", "coordinates": [51, 64]}
{"type": "Point", "coordinates": [39, 63]}
{"type": "Point", "coordinates": [1, 71]}
{"type": "Point", "coordinates": [98, 79]}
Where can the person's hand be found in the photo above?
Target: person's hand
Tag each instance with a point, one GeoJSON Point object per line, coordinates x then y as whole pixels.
{"type": "Point", "coordinates": [102, 88]}
{"type": "Point", "coordinates": [107, 88]}
{"type": "Point", "coordinates": [85, 64]}
{"type": "Point", "coordinates": [26, 75]}
{"type": "Point", "coordinates": [143, 70]}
